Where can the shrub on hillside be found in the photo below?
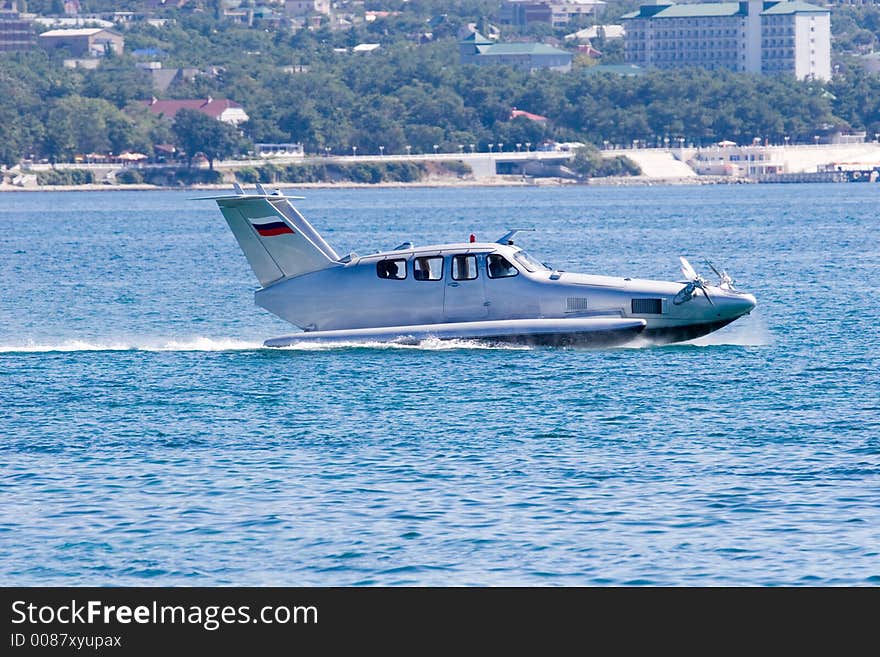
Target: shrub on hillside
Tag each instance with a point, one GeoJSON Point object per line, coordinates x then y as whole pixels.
{"type": "Point", "coordinates": [130, 177]}
{"type": "Point", "coordinates": [65, 177]}
{"type": "Point", "coordinates": [589, 163]}
{"type": "Point", "coordinates": [459, 168]}
{"type": "Point", "coordinates": [247, 175]}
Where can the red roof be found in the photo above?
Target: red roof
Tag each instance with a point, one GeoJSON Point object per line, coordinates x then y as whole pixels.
{"type": "Point", "coordinates": [209, 106]}
{"type": "Point", "coordinates": [589, 50]}
{"type": "Point", "coordinates": [531, 117]}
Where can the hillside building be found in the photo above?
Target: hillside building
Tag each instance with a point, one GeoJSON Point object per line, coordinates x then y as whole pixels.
{"type": "Point", "coordinates": [16, 31]}
{"type": "Point", "coordinates": [607, 32]}
{"type": "Point", "coordinates": [773, 38]}
{"type": "Point", "coordinates": [480, 51]}
{"type": "Point", "coordinates": [298, 8]}
{"type": "Point", "coordinates": [81, 42]}
{"type": "Point", "coordinates": [224, 110]}
{"type": "Point", "coordinates": [555, 12]}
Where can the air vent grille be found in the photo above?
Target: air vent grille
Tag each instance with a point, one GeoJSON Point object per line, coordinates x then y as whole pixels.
{"type": "Point", "coordinates": [575, 304]}
{"type": "Point", "coordinates": [647, 306]}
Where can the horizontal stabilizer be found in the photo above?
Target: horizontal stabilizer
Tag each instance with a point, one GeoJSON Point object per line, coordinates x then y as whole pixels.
{"type": "Point", "coordinates": [244, 197]}
{"type": "Point", "coordinates": [577, 332]}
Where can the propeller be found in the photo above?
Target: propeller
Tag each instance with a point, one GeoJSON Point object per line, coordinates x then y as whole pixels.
{"type": "Point", "coordinates": [689, 272]}
{"type": "Point", "coordinates": [695, 282]}
{"type": "Point", "coordinates": [725, 279]}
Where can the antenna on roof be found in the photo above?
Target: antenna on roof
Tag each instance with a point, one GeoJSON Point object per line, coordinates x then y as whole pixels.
{"type": "Point", "coordinates": [261, 190]}
{"type": "Point", "coordinates": [238, 189]}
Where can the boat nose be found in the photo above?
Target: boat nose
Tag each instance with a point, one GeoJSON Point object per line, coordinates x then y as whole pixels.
{"type": "Point", "coordinates": [741, 304]}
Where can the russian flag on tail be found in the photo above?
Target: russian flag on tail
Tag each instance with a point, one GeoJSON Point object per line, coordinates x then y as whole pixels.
{"type": "Point", "coordinates": [272, 228]}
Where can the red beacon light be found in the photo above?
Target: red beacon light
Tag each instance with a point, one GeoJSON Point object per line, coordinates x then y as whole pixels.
{"type": "Point", "coordinates": [473, 238]}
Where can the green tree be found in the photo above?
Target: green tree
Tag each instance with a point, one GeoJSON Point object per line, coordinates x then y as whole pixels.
{"type": "Point", "coordinates": [199, 133]}
{"type": "Point", "coordinates": [87, 125]}
{"type": "Point", "coordinates": [119, 84]}
{"type": "Point", "coordinates": [21, 113]}
{"type": "Point", "coordinates": [588, 162]}
{"type": "Point", "coordinates": [59, 142]}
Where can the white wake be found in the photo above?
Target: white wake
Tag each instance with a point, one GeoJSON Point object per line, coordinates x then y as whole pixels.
{"type": "Point", "coordinates": [187, 344]}
{"type": "Point", "coordinates": [428, 344]}
{"type": "Point", "coordinates": [749, 331]}
{"type": "Point", "coordinates": [228, 344]}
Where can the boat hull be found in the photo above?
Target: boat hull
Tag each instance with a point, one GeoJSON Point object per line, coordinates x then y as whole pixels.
{"type": "Point", "coordinates": [669, 334]}
{"type": "Point", "coordinates": [593, 332]}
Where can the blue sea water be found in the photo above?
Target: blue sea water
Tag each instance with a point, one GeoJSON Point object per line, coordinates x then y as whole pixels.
{"type": "Point", "coordinates": [147, 439]}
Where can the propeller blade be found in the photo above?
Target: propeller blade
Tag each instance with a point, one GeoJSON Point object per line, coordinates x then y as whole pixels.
{"type": "Point", "coordinates": [685, 294]}
{"type": "Point", "coordinates": [689, 272]}
{"type": "Point", "coordinates": [725, 281]}
{"type": "Point", "coordinates": [706, 292]}
{"type": "Point", "coordinates": [717, 273]}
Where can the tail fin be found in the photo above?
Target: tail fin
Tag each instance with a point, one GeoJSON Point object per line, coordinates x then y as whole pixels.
{"type": "Point", "coordinates": [276, 239]}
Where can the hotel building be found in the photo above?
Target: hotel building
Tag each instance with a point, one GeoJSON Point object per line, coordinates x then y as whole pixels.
{"type": "Point", "coordinates": [774, 38]}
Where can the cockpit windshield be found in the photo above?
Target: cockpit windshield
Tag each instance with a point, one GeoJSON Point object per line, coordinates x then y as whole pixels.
{"type": "Point", "coordinates": [529, 262]}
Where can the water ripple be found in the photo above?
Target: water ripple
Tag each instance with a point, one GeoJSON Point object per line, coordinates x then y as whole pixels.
{"type": "Point", "coordinates": [147, 438]}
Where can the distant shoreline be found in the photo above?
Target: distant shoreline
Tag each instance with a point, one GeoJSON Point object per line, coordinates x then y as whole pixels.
{"type": "Point", "coordinates": [506, 181]}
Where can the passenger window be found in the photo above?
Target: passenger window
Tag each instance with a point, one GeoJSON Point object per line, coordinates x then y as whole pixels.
{"type": "Point", "coordinates": [395, 269]}
{"type": "Point", "coordinates": [499, 267]}
{"type": "Point", "coordinates": [464, 267]}
{"type": "Point", "coordinates": [428, 269]}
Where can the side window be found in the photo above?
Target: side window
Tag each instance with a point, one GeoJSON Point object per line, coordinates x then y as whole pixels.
{"type": "Point", "coordinates": [428, 268]}
{"type": "Point", "coordinates": [464, 267]}
{"type": "Point", "coordinates": [395, 269]}
{"type": "Point", "coordinates": [499, 267]}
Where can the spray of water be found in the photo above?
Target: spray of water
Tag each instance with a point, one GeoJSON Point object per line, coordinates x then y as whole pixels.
{"type": "Point", "coordinates": [226, 344]}
{"type": "Point", "coordinates": [429, 344]}
{"type": "Point", "coordinates": [157, 344]}
{"type": "Point", "coordinates": [749, 331]}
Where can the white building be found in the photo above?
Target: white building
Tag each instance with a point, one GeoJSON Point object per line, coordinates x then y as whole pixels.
{"type": "Point", "coordinates": [555, 12]}
{"type": "Point", "coordinates": [596, 32]}
{"type": "Point", "coordinates": [565, 11]}
{"type": "Point", "coordinates": [91, 41]}
{"type": "Point", "coordinates": [725, 159]}
{"type": "Point", "coordinates": [480, 51]}
{"type": "Point", "coordinates": [796, 37]}
{"type": "Point", "coordinates": [364, 48]}
{"type": "Point", "coordinates": [752, 36]}
{"type": "Point", "coordinates": [279, 150]}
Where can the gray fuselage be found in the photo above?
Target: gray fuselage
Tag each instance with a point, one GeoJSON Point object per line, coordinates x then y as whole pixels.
{"type": "Point", "coordinates": [486, 281]}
